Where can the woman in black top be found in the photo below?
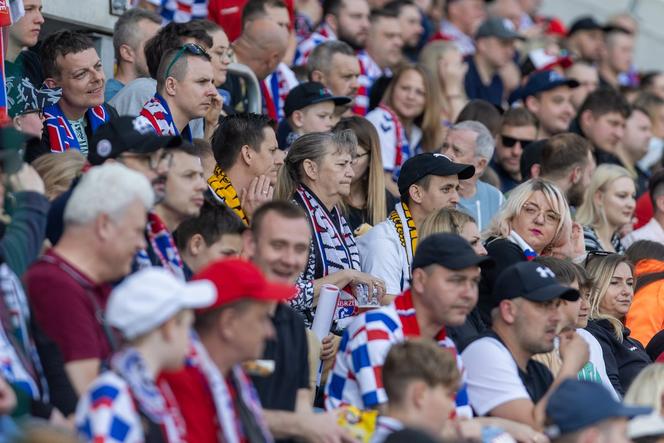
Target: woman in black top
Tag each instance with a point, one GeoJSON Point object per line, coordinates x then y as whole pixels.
{"type": "Point", "coordinates": [610, 299]}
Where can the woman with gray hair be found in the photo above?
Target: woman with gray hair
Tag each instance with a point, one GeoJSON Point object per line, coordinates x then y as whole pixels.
{"type": "Point", "coordinates": [317, 174]}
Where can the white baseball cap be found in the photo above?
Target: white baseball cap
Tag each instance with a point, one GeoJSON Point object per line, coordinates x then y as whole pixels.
{"type": "Point", "coordinates": [150, 297]}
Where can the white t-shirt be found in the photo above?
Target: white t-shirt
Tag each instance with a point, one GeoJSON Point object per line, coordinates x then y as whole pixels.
{"type": "Point", "coordinates": [595, 369]}
{"type": "Point", "coordinates": [382, 256]}
{"type": "Point", "coordinates": [387, 135]}
{"type": "Point", "coordinates": [492, 375]}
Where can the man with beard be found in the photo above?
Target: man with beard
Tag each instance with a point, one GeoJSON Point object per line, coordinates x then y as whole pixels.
{"type": "Point", "coordinates": [248, 159]}
{"type": "Point", "coordinates": [567, 161]}
{"type": "Point", "coordinates": [503, 379]}
{"type": "Point", "coordinates": [334, 64]}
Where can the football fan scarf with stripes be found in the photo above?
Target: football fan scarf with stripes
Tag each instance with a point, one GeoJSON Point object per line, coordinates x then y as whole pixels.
{"type": "Point", "coordinates": [401, 149]}
{"type": "Point", "coordinates": [158, 114]}
{"type": "Point", "coordinates": [223, 189]}
{"type": "Point", "coordinates": [405, 226]}
{"type": "Point", "coordinates": [163, 246]}
{"type": "Point", "coordinates": [61, 135]}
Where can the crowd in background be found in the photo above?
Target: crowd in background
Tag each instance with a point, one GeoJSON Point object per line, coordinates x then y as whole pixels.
{"type": "Point", "coordinates": [347, 221]}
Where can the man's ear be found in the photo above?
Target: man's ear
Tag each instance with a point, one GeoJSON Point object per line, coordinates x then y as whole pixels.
{"type": "Point", "coordinates": [575, 175]}
{"type": "Point", "coordinates": [247, 154]}
{"type": "Point", "coordinates": [317, 76]}
{"type": "Point", "coordinates": [532, 104]}
{"type": "Point", "coordinates": [248, 244]}
{"type": "Point", "coordinates": [17, 122]}
{"type": "Point", "coordinates": [51, 82]}
{"type": "Point", "coordinates": [586, 118]}
{"type": "Point", "coordinates": [170, 86]}
{"type": "Point", "coordinates": [332, 22]}
{"type": "Point", "coordinates": [195, 245]}
{"type": "Point", "coordinates": [297, 117]}
{"type": "Point", "coordinates": [480, 165]}
{"type": "Point", "coordinates": [416, 193]}
{"type": "Point", "coordinates": [127, 53]}
{"type": "Point", "coordinates": [659, 203]}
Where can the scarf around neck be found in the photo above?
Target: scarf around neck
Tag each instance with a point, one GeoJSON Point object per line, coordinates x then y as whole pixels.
{"type": "Point", "coordinates": [407, 237]}
{"type": "Point", "coordinates": [222, 188]}
{"type": "Point", "coordinates": [158, 114]}
{"type": "Point", "coordinates": [156, 403]}
{"type": "Point", "coordinates": [60, 133]}
{"type": "Point", "coordinates": [528, 252]}
{"type": "Point", "coordinates": [401, 148]}
{"type": "Point", "coordinates": [163, 245]}
{"type": "Point", "coordinates": [228, 418]}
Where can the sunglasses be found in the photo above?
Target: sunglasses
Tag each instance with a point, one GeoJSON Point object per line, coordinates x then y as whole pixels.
{"type": "Point", "coordinates": [510, 142]}
{"type": "Point", "coordinates": [592, 254]}
{"type": "Point", "coordinates": [191, 48]}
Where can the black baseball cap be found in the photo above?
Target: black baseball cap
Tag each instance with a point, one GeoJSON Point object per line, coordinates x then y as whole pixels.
{"type": "Point", "coordinates": [579, 404]}
{"type": "Point", "coordinates": [127, 134]}
{"type": "Point", "coordinates": [497, 27]}
{"type": "Point", "coordinates": [588, 23]}
{"type": "Point", "coordinates": [542, 81]}
{"type": "Point", "coordinates": [532, 281]}
{"type": "Point", "coordinates": [449, 251]}
{"type": "Point", "coordinates": [421, 165]}
{"type": "Point", "coordinates": [310, 93]}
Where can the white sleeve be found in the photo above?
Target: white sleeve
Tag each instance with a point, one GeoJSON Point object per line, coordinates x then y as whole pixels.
{"type": "Point", "coordinates": [597, 360]}
{"type": "Point", "coordinates": [386, 135]}
{"type": "Point", "coordinates": [492, 375]}
{"type": "Point", "coordinates": [381, 256]}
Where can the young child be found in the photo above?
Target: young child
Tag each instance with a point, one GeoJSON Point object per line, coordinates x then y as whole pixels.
{"type": "Point", "coordinates": [152, 310]}
{"type": "Point", "coordinates": [309, 107]}
{"type": "Point", "coordinates": [216, 233]}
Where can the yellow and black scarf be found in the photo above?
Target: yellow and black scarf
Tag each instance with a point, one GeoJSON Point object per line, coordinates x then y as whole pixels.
{"type": "Point", "coordinates": [223, 189]}
{"type": "Point", "coordinates": [407, 237]}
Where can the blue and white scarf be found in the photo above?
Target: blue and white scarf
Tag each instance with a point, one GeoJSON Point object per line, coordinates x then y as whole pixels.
{"type": "Point", "coordinates": [157, 113]}
{"type": "Point", "coordinates": [61, 135]}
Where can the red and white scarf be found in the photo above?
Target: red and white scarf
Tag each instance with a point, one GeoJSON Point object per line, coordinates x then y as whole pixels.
{"type": "Point", "coordinates": [157, 113]}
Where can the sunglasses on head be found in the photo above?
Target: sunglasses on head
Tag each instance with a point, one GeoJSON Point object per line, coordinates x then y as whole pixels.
{"type": "Point", "coordinates": [191, 48]}
{"type": "Point", "coordinates": [592, 254]}
{"type": "Point", "coordinates": [510, 142]}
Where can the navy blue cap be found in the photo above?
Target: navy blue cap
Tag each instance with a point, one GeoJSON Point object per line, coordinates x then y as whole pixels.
{"type": "Point", "coordinates": [541, 82]}
{"type": "Point", "coordinates": [416, 168]}
{"type": "Point", "coordinates": [577, 404]}
{"type": "Point", "coordinates": [310, 93]}
{"type": "Point", "coordinates": [532, 281]}
{"type": "Point", "coordinates": [449, 251]}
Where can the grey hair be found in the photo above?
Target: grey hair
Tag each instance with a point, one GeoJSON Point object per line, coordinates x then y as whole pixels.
{"type": "Point", "coordinates": [313, 146]}
{"type": "Point", "coordinates": [321, 57]}
{"type": "Point", "coordinates": [484, 142]}
{"type": "Point", "coordinates": [126, 32]}
{"type": "Point", "coordinates": [107, 189]}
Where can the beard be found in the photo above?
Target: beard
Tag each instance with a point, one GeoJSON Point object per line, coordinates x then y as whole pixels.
{"type": "Point", "coordinates": [575, 195]}
{"type": "Point", "coordinates": [351, 40]}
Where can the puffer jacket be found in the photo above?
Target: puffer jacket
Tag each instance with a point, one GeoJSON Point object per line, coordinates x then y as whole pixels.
{"type": "Point", "coordinates": [646, 315]}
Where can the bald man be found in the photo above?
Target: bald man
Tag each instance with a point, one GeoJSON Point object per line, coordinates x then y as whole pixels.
{"type": "Point", "coordinates": [261, 46]}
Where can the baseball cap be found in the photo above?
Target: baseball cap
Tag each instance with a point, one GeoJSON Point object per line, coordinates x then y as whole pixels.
{"type": "Point", "coordinates": [578, 404]}
{"type": "Point", "coordinates": [449, 251]}
{"type": "Point", "coordinates": [651, 425]}
{"type": "Point", "coordinates": [497, 27]}
{"type": "Point", "coordinates": [237, 279]}
{"type": "Point", "coordinates": [127, 134]}
{"type": "Point", "coordinates": [421, 165]}
{"type": "Point", "coordinates": [148, 298]}
{"type": "Point", "coordinates": [23, 97]}
{"type": "Point", "coordinates": [532, 281]}
{"type": "Point", "coordinates": [586, 23]}
{"type": "Point", "coordinates": [310, 93]}
{"type": "Point", "coordinates": [542, 81]}
{"type": "Point", "coordinates": [541, 60]}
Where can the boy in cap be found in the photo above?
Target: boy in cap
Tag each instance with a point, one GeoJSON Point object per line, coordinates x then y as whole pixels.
{"type": "Point", "coordinates": [309, 107]}
{"type": "Point", "coordinates": [26, 103]}
{"type": "Point", "coordinates": [503, 379]}
{"type": "Point", "coordinates": [213, 392]}
{"type": "Point", "coordinates": [583, 411]}
{"type": "Point", "coordinates": [427, 183]}
{"type": "Point", "coordinates": [152, 310]}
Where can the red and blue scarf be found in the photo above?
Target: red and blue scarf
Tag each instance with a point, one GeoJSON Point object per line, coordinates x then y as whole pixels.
{"type": "Point", "coordinates": [60, 133]}
{"type": "Point", "coordinates": [158, 114]}
{"type": "Point", "coordinates": [162, 244]}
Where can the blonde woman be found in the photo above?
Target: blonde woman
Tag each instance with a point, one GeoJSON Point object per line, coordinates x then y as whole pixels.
{"type": "Point", "coordinates": [446, 67]}
{"type": "Point", "coordinates": [647, 389]}
{"type": "Point", "coordinates": [610, 300]}
{"type": "Point", "coordinates": [608, 205]}
{"type": "Point", "coordinates": [454, 222]}
{"type": "Point", "coordinates": [59, 170]}
{"type": "Point", "coordinates": [407, 120]}
{"type": "Point", "coordinates": [368, 201]}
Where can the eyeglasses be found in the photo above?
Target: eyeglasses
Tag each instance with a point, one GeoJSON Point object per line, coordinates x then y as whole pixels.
{"type": "Point", "coordinates": [191, 48]}
{"type": "Point", "coordinates": [510, 142]}
{"type": "Point", "coordinates": [592, 254]}
{"type": "Point", "coordinates": [532, 210]}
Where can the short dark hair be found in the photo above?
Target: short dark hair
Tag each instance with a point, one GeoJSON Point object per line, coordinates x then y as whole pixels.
{"type": "Point", "coordinates": [320, 58]}
{"type": "Point", "coordinates": [398, 5]}
{"type": "Point", "coordinates": [656, 186]}
{"type": "Point", "coordinates": [332, 7]}
{"type": "Point", "coordinates": [650, 102]}
{"type": "Point", "coordinates": [177, 60]}
{"type": "Point", "coordinates": [193, 148]}
{"type": "Point", "coordinates": [235, 131]}
{"type": "Point", "coordinates": [604, 101]}
{"type": "Point", "coordinates": [648, 79]}
{"type": "Point", "coordinates": [483, 112]}
{"type": "Point", "coordinates": [124, 31]}
{"type": "Point", "coordinates": [562, 152]}
{"type": "Point", "coordinates": [172, 36]}
{"type": "Point", "coordinates": [59, 44]}
{"type": "Point", "coordinates": [282, 208]}
{"type": "Point", "coordinates": [214, 221]}
{"type": "Point", "coordinates": [255, 9]}
{"type": "Point", "coordinates": [519, 117]}
{"type": "Point", "coordinates": [377, 14]}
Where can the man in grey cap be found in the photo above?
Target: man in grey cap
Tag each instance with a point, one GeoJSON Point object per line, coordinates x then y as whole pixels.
{"type": "Point", "coordinates": [494, 49]}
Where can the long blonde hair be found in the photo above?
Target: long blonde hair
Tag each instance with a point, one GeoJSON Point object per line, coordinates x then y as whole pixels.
{"type": "Point", "coordinates": [58, 170]}
{"type": "Point", "coordinates": [429, 120]}
{"type": "Point", "coordinates": [375, 177]}
{"type": "Point", "coordinates": [590, 213]}
{"type": "Point", "coordinates": [601, 270]}
{"type": "Point", "coordinates": [429, 59]}
{"type": "Point", "coordinates": [501, 225]}
{"type": "Point", "coordinates": [444, 220]}
{"type": "Point", "coordinates": [647, 388]}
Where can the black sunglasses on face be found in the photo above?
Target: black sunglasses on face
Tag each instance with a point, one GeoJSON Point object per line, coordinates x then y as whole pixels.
{"type": "Point", "coordinates": [510, 142]}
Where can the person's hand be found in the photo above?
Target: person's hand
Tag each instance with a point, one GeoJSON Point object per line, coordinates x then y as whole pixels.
{"type": "Point", "coordinates": [26, 179]}
{"type": "Point", "coordinates": [212, 115]}
{"type": "Point", "coordinates": [533, 32]}
{"type": "Point", "coordinates": [573, 351]}
{"type": "Point", "coordinates": [454, 74]}
{"type": "Point", "coordinates": [628, 228]}
{"type": "Point", "coordinates": [329, 347]}
{"type": "Point", "coordinates": [323, 428]}
{"type": "Point", "coordinates": [523, 433]}
{"type": "Point", "coordinates": [7, 398]}
{"type": "Point", "coordinates": [358, 277]}
{"type": "Point", "coordinates": [258, 193]}
{"type": "Point", "coordinates": [60, 421]}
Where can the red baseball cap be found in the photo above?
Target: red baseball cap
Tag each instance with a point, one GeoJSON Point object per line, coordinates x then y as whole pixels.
{"type": "Point", "coordinates": [237, 279]}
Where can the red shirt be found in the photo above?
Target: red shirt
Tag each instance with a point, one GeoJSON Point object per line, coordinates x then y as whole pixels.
{"type": "Point", "coordinates": [644, 210]}
{"type": "Point", "coordinates": [63, 307]}
{"type": "Point", "coordinates": [228, 15]}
